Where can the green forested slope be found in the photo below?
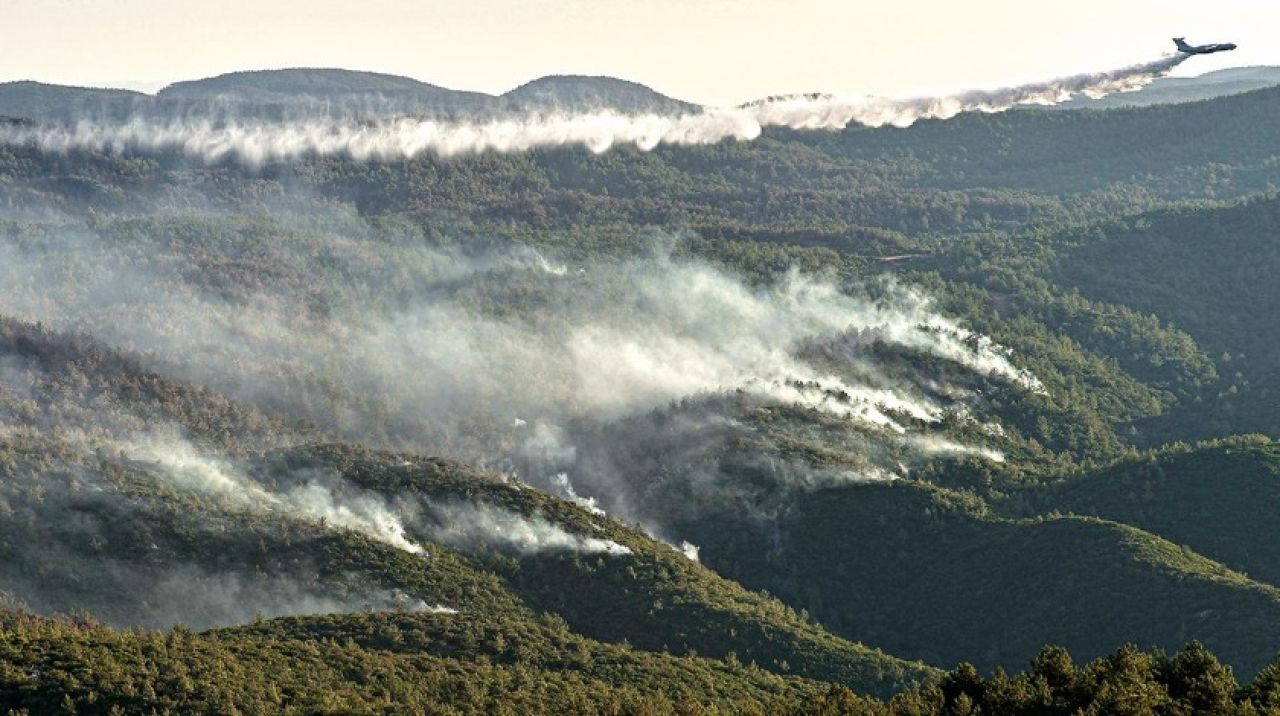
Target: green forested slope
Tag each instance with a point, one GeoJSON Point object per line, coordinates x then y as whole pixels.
{"type": "Point", "coordinates": [1219, 148]}
{"type": "Point", "coordinates": [1211, 273]}
{"type": "Point", "coordinates": [92, 525]}
{"type": "Point", "coordinates": [918, 570]}
{"type": "Point", "coordinates": [377, 663]}
{"type": "Point", "coordinates": [1205, 270]}
{"type": "Point", "coordinates": [1219, 500]}
{"type": "Point", "coordinates": [388, 664]}
{"type": "Point", "coordinates": [126, 542]}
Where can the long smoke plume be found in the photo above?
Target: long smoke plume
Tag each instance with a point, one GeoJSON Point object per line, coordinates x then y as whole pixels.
{"type": "Point", "coordinates": [258, 142]}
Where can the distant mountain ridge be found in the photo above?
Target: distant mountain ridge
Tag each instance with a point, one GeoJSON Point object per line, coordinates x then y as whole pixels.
{"type": "Point", "coordinates": [332, 91]}
{"type": "Point", "coordinates": [368, 92]}
{"type": "Point", "coordinates": [26, 99]}
{"type": "Point", "coordinates": [281, 93]}
{"type": "Point", "coordinates": [294, 82]}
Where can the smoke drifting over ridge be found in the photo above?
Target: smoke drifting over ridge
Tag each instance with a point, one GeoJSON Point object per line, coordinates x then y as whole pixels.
{"type": "Point", "coordinates": [360, 512]}
{"type": "Point", "coordinates": [161, 596]}
{"type": "Point", "coordinates": [502, 337]}
{"type": "Point", "coordinates": [255, 142]}
{"type": "Point", "coordinates": [328, 500]}
{"type": "Point", "coordinates": [476, 526]}
{"type": "Point", "coordinates": [646, 384]}
{"type": "Point", "coordinates": [527, 362]}
{"type": "Point", "coordinates": [493, 355]}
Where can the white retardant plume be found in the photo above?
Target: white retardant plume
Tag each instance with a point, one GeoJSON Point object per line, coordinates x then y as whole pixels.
{"type": "Point", "coordinates": [258, 142]}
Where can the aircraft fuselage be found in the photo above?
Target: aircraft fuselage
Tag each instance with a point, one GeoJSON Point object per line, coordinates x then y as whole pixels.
{"type": "Point", "coordinates": [1202, 49]}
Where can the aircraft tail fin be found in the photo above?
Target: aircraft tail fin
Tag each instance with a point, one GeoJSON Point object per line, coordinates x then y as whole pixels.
{"type": "Point", "coordinates": [1181, 43]}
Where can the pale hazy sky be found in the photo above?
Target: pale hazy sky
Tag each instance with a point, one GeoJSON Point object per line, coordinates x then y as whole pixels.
{"type": "Point", "coordinates": [713, 51]}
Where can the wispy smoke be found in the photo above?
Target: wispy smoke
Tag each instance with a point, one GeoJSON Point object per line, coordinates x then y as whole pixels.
{"type": "Point", "coordinates": [690, 550]}
{"type": "Point", "coordinates": [357, 511]}
{"type": "Point", "coordinates": [473, 526]}
{"type": "Point", "coordinates": [125, 594]}
{"type": "Point", "coordinates": [463, 343]}
{"type": "Point", "coordinates": [259, 142]}
{"type": "Point", "coordinates": [561, 484]}
{"type": "Point", "coordinates": [931, 445]}
{"type": "Point", "coordinates": [87, 530]}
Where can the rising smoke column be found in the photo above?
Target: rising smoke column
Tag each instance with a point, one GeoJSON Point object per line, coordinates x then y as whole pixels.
{"type": "Point", "coordinates": [255, 143]}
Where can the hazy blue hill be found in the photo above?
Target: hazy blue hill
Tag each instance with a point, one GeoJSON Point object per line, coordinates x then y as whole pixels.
{"type": "Point", "coordinates": [553, 93]}
{"type": "Point", "coordinates": [1177, 90]}
{"type": "Point", "coordinates": [37, 100]}
{"type": "Point", "coordinates": [294, 82]}
{"type": "Point", "coordinates": [362, 90]}
{"type": "Point", "coordinates": [335, 91]}
{"type": "Point", "coordinates": [584, 93]}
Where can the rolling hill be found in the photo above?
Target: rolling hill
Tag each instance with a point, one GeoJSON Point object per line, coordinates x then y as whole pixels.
{"type": "Point", "coordinates": [328, 92]}
{"type": "Point", "coordinates": [918, 569]}
{"type": "Point", "coordinates": [1216, 499]}
{"type": "Point", "coordinates": [60, 103]}
{"type": "Point", "coordinates": [1204, 270]}
{"type": "Point", "coordinates": [311, 88]}
{"type": "Point", "coordinates": [309, 83]}
{"type": "Point", "coordinates": [139, 549]}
